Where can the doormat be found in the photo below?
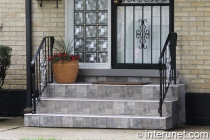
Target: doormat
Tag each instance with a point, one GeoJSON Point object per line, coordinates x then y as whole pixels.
{"type": "Point", "coordinates": [122, 83]}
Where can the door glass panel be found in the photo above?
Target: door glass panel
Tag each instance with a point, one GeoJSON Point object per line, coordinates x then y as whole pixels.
{"type": "Point", "coordinates": [156, 34]}
{"type": "Point", "coordinates": [129, 35]}
{"type": "Point", "coordinates": [138, 52]}
{"type": "Point", "coordinates": [165, 24]}
{"type": "Point", "coordinates": [120, 34]}
{"type": "Point", "coordinates": [146, 34]}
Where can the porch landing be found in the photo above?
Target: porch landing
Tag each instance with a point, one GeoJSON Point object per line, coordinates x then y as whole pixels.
{"type": "Point", "coordinates": [87, 105]}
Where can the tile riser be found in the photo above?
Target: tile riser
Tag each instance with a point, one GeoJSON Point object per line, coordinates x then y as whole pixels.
{"type": "Point", "coordinates": [97, 122]}
{"type": "Point", "coordinates": [145, 92]}
{"type": "Point", "coordinates": [103, 107]}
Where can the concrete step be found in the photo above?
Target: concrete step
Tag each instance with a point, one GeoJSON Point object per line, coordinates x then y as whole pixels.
{"type": "Point", "coordinates": [103, 106]}
{"type": "Point", "coordinates": [98, 121]}
{"type": "Point", "coordinates": [88, 90]}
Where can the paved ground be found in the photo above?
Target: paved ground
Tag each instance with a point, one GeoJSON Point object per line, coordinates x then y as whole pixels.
{"type": "Point", "coordinates": [13, 129]}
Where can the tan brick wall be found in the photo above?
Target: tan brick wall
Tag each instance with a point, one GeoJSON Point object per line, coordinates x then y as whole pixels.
{"type": "Point", "coordinates": [13, 34]}
{"type": "Point", "coordinates": [47, 20]}
{"type": "Point", "coordinates": [192, 23]}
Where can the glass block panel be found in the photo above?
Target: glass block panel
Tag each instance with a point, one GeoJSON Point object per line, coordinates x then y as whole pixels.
{"type": "Point", "coordinates": [90, 18]}
{"type": "Point", "coordinates": [102, 45]}
{"type": "Point", "coordinates": [91, 31]}
{"type": "Point", "coordinates": [91, 4]}
{"type": "Point", "coordinates": [81, 56]}
{"type": "Point", "coordinates": [102, 31]}
{"type": "Point", "coordinates": [78, 18]}
{"type": "Point", "coordinates": [103, 18]}
{"type": "Point", "coordinates": [90, 57]}
{"type": "Point", "coordinates": [79, 5]}
{"type": "Point", "coordinates": [78, 45]}
{"type": "Point", "coordinates": [102, 57]}
{"type": "Point", "coordinates": [90, 45]}
{"type": "Point", "coordinates": [102, 4]}
{"type": "Point", "coordinates": [78, 31]}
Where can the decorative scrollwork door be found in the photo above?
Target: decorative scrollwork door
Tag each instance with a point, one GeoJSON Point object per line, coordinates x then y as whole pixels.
{"type": "Point", "coordinates": [139, 31]}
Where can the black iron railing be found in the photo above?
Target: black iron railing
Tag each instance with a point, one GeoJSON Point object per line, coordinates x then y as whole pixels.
{"type": "Point", "coordinates": [41, 70]}
{"type": "Point", "coordinates": [167, 67]}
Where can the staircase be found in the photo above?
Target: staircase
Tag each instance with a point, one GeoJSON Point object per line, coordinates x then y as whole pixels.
{"type": "Point", "coordinates": [86, 105]}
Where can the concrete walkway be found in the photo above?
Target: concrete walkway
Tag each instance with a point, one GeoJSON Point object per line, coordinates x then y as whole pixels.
{"type": "Point", "coordinates": [13, 129]}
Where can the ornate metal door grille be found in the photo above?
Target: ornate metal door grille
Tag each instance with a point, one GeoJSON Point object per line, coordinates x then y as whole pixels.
{"type": "Point", "coordinates": [143, 34]}
{"type": "Point", "coordinates": [139, 30]}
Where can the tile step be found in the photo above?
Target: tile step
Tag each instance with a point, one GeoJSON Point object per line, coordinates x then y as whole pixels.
{"type": "Point", "coordinates": [104, 106]}
{"type": "Point", "coordinates": [99, 115]}
{"type": "Point", "coordinates": [98, 121]}
{"type": "Point", "coordinates": [100, 99]}
{"type": "Point", "coordinates": [87, 90]}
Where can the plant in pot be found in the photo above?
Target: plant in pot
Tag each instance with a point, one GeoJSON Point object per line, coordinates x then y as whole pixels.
{"type": "Point", "coordinates": [5, 61]}
{"type": "Point", "coordinates": [64, 64]}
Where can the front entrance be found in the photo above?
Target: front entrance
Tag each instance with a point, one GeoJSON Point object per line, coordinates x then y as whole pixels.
{"type": "Point", "coordinates": [139, 31]}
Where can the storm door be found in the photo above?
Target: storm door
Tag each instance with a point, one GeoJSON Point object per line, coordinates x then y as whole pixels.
{"type": "Point", "coordinates": [139, 31]}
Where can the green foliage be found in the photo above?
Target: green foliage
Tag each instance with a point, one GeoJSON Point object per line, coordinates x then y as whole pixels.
{"type": "Point", "coordinates": [5, 61]}
{"type": "Point", "coordinates": [64, 52]}
{"type": "Point", "coordinates": [62, 47]}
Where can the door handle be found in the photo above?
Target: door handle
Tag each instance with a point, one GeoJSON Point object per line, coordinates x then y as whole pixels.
{"type": "Point", "coordinates": [116, 1]}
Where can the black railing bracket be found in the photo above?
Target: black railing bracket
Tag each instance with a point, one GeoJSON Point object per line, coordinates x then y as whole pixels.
{"type": "Point", "coordinates": [41, 2]}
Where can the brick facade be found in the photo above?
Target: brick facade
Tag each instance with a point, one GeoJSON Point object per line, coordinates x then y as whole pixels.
{"type": "Point", "coordinates": [13, 34]}
{"type": "Point", "coordinates": [192, 25]}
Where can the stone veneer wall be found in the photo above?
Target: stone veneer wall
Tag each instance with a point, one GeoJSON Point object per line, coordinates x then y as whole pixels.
{"type": "Point", "coordinates": [192, 24]}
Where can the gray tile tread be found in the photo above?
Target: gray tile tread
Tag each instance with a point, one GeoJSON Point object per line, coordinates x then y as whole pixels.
{"type": "Point", "coordinates": [100, 115]}
{"type": "Point", "coordinates": [100, 99]}
{"type": "Point", "coordinates": [87, 83]}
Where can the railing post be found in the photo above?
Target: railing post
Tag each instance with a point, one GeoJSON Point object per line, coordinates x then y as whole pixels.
{"type": "Point", "coordinates": [161, 84]}
{"type": "Point", "coordinates": [173, 54]}
{"type": "Point", "coordinates": [52, 40]}
{"type": "Point", "coordinates": [33, 92]}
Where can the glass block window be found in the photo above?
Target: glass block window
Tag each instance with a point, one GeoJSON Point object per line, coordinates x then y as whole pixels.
{"type": "Point", "coordinates": [91, 30]}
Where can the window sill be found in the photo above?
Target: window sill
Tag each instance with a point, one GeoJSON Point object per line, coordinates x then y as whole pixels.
{"type": "Point", "coordinates": [120, 72]}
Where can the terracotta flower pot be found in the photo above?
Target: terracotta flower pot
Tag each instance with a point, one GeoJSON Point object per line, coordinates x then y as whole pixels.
{"type": "Point", "coordinates": [66, 72]}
